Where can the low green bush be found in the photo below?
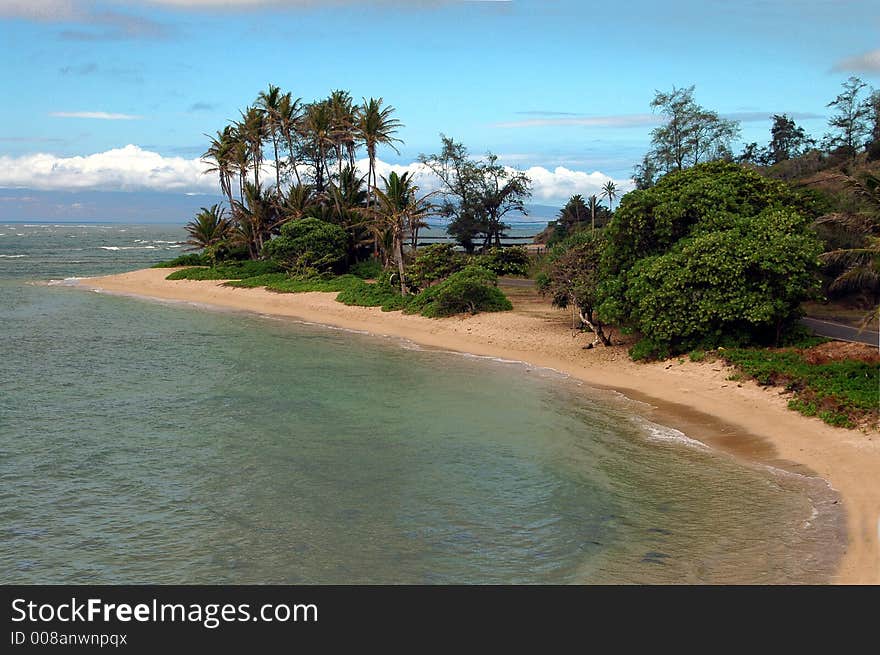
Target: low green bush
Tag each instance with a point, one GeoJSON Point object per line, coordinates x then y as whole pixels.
{"type": "Point", "coordinates": [227, 271]}
{"type": "Point", "coordinates": [308, 246]}
{"type": "Point", "coordinates": [259, 281]}
{"type": "Point", "coordinates": [512, 261]}
{"type": "Point", "coordinates": [470, 290]}
{"type": "Point", "coordinates": [433, 263]}
{"type": "Point", "coordinates": [369, 269]}
{"type": "Point", "coordinates": [189, 259]}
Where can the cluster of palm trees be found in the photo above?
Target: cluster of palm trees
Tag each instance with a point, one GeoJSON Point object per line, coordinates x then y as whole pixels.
{"type": "Point", "coordinates": [857, 266]}
{"type": "Point", "coordinates": [578, 210]}
{"type": "Point", "coordinates": [313, 149]}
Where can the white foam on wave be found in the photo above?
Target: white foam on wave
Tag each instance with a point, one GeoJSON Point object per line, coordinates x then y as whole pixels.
{"type": "Point", "coordinates": [127, 247]}
{"type": "Point", "coordinates": [664, 433]}
{"type": "Point", "coordinates": [12, 256]}
{"type": "Point", "coordinates": [66, 282]}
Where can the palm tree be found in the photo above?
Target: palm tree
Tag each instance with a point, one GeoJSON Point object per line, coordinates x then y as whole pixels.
{"type": "Point", "coordinates": [594, 207]}
{"type": "Point", "coordinates": [860, 264]}
{"type": "Point", "coordinates": [397, 206]}
{"type": "Point", "coordinates": [574, 212]}
{"type": "Point", "coordinates": [318, 130]}
{"type": "Point", "coordinates": [375, 126]}
{"type": "Point", "coordinates": [256, 217]}
{"type": "Point", "coordinates": [299, 198]}
{"type": "Point", "coordinates": [209, 227]}
{"type": "Point", "coordinates": [240, 161]}
{"type": "Point", "coordinates": [269, 102]}
{"type": "Point", "coordinates": [343, 126]}
{"type": "Point", "coordinates": [610, 191]}
{"type": "Point", "coordinates": [290, 113]}
{"type": "Point", "coordinates": [220, 160]}
{"type": "Point", "coordinates": [252, 129]}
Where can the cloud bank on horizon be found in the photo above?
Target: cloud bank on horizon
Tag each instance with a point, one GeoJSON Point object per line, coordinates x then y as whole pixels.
{"type": "Point", "coordinates": [133, 168]}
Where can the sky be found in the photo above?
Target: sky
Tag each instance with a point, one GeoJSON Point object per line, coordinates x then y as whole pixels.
{"type": "Point", "coordinates": [116, 97]}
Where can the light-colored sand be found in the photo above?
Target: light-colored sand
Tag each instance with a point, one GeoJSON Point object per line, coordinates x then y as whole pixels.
{"type": "Point", "coordinates": [741, 418]}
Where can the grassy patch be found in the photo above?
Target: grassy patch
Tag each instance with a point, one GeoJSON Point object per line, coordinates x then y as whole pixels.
{"type": "Point", "coordinates": [842, 393]}
{"type": "Point", "coordinates": [230, 271]}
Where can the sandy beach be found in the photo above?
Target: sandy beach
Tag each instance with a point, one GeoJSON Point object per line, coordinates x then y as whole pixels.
{"type": "Point", "coordinates": [697, 398]}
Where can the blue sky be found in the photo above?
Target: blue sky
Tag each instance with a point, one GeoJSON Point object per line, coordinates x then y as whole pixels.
{"type": "Point", "coordinates": [553, 83]}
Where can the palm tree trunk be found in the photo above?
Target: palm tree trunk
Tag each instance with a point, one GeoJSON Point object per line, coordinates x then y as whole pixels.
{"type": "Point", "coordinates": [371, 187]}
{"type": "Point", "coordinates": [293, 160]}
{"type": "Point", "coordinates": [277, 163]}
{"type": "Point", "coordinates": [401, 270]}
{"type": "Point", "coordinates": [228, 189]}
{"type": "Point", "coordinates": [256, 160]}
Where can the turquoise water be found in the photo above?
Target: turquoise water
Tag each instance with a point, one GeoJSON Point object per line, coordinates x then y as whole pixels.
{"type": "Point", "coordinates": [153, 442]}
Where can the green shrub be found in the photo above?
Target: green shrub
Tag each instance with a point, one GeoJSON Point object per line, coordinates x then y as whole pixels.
{"type": "Point", "coordinates": [697, 355]}
{"type": "Point", "coordinates": [228, 271]}
{"type": "Point", "coordinates": [513, 261]}
{"type": "Point", "coordinates": [470, 290]}
{"type": "Point", "coordinates": [433, 263]}
{"type": "Point", "coordinates": [743, 285]}
{"type": "Point", "coordinates": [369, 269]}
{"type": "Point", "coordinates": [308, 246]}
{"type": "Point", "coordinates": [258, 281]}
{"type": "Point", "coordinates": [227, 252]}
{"type": "Point", "coordinates": [190, 259]}
{"type": "Point", "coordinates": [713, 255]}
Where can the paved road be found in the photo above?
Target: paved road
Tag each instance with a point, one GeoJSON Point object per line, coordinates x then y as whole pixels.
{"type": "Point", "coordinates": [841, 332]}
{"type": "Point", "coordinates": [828, 329]}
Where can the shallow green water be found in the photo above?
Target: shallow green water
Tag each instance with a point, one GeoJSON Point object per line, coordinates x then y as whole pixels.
{"type": "Point", "coordinates": [151, 442]}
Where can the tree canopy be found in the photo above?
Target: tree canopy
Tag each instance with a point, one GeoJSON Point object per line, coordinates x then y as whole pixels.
{"type": "Point", "coordinates": [713, 254]}
{"type": "Point", "coordinates": [691, 134]}
{"type": "Point", "coordinates": [476, 194]}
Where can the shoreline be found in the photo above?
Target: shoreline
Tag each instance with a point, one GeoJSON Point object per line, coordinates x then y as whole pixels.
{"type": "Point", "coordinates": [742, 419]}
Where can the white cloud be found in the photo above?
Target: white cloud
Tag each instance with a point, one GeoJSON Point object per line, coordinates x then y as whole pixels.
{"type": "Point", "coordinates": [561, 183]}
{"type": "Point", "coordinates": [868, 62]}
{"type": "Point", "coordinates": [548, 186]}
{"type": "Point", "coordinates": [99, 115]}
{"type": "Point", "coordinates": [134, 169]}
{"type": "Point", "coordinates": [122, 169]}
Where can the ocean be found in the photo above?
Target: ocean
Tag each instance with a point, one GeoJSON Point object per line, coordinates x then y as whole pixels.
{"type": "Point", "coordinates": [151, 442]}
